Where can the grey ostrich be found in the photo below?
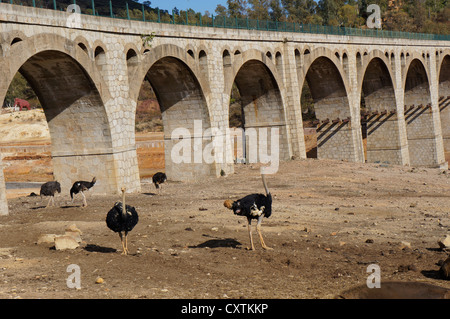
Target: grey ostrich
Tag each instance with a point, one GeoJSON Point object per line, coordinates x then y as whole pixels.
{"type": "Point", "coordinates": [50, 189]}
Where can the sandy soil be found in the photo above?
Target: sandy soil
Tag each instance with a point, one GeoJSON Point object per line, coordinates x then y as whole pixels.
{"type": "Point", "coordinates": [331, 220]}
{"type": "Point", "coordinates": [23, 126]}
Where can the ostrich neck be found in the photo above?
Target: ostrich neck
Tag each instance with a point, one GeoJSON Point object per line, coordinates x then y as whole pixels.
{"type": "Point", "coordinates": [124, 209]}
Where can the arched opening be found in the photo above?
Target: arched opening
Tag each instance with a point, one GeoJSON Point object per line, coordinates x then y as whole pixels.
{"type": "Point", "coordinates": [81, 146]}
{"type": "Point", "coordinates": [24, 135]}
{"type": "Point", "coordinates": [279, 63]}
{"type": "Point", "coordinates": [203, 63]}
{"type": "Point", "coordinates": [419, 118]}
{"type": "Point", "coordinates": [100, 57]}
{"type": "Point", "coordinates": [149, 132]}
{"type": "Point", "coordinates": [444, 103]}
{"type": "Point", "coordinates": [83, 47]}
{"type": "Point", "coordinates": [358, 59]}
{"type": "Point", "coordinates": [310, 121]}
{"type": "Point", "coordinates": [132, 57]}
{"type": "Point", "coordinates": [380, 130]}
{"type": "Point", "coordinates": [257, 110]}
{"type": "Point", "coordinates": [345, 62]}
{"type": "Point", "coordinates": [184, 120]}
{"type": "Point", "coordinates": [16, 40]}
{"type": "Point", "coordinates": [226, 57]}
{"type": "Point", "coordinates": [329, 108]}
{"type": "Point", "coordinates": [132, 61]}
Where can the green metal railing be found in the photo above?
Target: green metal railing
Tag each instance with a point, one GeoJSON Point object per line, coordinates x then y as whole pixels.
{"type": "Point", "coordinates": [186, 18]}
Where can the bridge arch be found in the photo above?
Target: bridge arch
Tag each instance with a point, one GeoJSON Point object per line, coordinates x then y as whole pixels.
{"type": "Point", "coordinates": [175, 77]}
{"type": "Point", "coordinates": [444, 99]}
{"type": "Point", "coordinates": [418, 112]}
{"type": "Point", "coordinates": [324, 73]}
{"type": "Point", "coordinates": [379, 121]}
{"type": "Point", "coordinates": [258, 81]}
{"type": "Point", "coordinates": [367, 60]}
{"type": "Point", "coordinates": [238, 60]}
{"type": "Point", "coordinates": [73, 97]}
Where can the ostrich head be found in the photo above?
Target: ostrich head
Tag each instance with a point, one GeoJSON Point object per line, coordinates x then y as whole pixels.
{"type": "Point", "coordinates": [228, 204]}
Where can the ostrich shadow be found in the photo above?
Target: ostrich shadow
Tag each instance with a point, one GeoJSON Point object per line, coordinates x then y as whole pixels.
{"type": "Point", "coordinates": [219, 243]}
{"type": "Point", "coordinates": [99, 249]}
{"type": "Point", "coordinates": [62, 207]}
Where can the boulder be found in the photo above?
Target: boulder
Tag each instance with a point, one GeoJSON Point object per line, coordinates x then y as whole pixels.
{"type": "Point", "coordinates": [65, 242]}
{"type": "Point", "coordinates": [444, 243]}
{"type": "Point", "coordinates": [74, 235]}
{"type": "Point", "coordinates": [46, 239]}
{"type": "Point", "coordinates": [70, 239]}
{"type": "Point", "coordinates": [445, 270]}
{"type": "Point", "coordinates": [73, 228]}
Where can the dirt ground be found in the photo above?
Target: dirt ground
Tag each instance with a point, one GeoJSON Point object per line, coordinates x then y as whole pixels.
{"type": "Point", "coordinates": [330, 221]}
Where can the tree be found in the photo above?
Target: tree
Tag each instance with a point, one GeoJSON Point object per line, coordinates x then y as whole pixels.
{"type": "Point", "coordinates": [329, 11]}
{"type": "Point", "coordinates": [237, 8]}
{"type": "Point", "coordinates": [20, 88]}
{"type": "Point", "coordinates": [221, 10]}
{"type": "Point", "coordinates": [259, 9]}
{"type": "Point", "coordinates": [348, 16]}
{"type": "Point", "coordinates": [277, 12]}
{"type": "Point", "coordinates": [398, 21]}
{"type": "Point", "coordinates": [298, 10]}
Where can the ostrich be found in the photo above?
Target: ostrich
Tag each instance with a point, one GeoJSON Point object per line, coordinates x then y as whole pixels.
{"type": "Point", "coordinates": [81, 187]}
{"type": "Point", "coordinates": [122, 218]}
{"type": "Point", "coordinates": [254, 206]}
{"type": "Point", "coordinates": [158, 179]}
{"type": "Point", "coordinates": [50, 189]}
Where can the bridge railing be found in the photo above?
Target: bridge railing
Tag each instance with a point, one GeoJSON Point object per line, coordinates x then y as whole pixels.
{"type": "Point", "coordinates": [196, 19]}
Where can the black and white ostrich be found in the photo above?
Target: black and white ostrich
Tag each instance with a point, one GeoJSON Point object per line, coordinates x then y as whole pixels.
{"type": "Point", "coordinates": [122, 218]}
{"type": "Point", "coordinates": [158, 179]}
{"type": "Point", "coordinates": [81, 187]}
{"type": "Point", "coordinates": [254, 206]}
{"type": "Point", "coordinates": [50, 189]}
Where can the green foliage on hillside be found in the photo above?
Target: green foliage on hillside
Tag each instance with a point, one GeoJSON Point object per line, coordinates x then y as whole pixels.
{"type": "Point", "coordinates": [19, 88]}
{"type": "Point", "coordinates": [424, 16]}
{"type": "Point", "coordinates": [101, 6]}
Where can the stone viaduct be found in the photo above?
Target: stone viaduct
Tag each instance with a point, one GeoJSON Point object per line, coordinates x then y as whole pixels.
{"type": "Point", "coordinates": [88, 79]}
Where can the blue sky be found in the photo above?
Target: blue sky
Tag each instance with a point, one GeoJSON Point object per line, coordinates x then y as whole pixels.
{"type": "Point", "coordinates": [197, 5]}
